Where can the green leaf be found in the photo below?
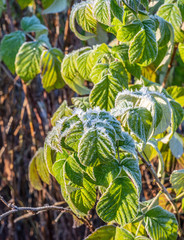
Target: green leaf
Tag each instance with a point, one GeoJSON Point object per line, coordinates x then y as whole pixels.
{"type": "Point", "coordinates": [33, 175]}
{"type": "Point", "coordinates": [102, 11]}
{"type": "Point", "coordinates": [56, 6]}
{"type": "Point", "coordinates": [166, 113]}
{"type": "Point", "coordinates": [10, 45]}
{"type": "Point", "coordinates": [172, 14]}
{"type": "Point", "coordinates": [73, 171]}
{"type": "Point", "coordinates": [83, 13]}
{"type": "Point", "coordinates": [126, 33]}
{"type": "Point", "coordinates": [181, 50]}
{"type": "Point", "coordinates": [116, 10]}
{"type": "Point", "coordinates": [32, 24]}
{"type": "Point", "coordinates": [81, 102]}
{"type": "Point", "coordinates": [85, 63]}
{"type": "Point", "coordinates": [126, 143]}
{"type": "Point", "coordinates": [161, 224]}
{"type": "Point", "coordinates": [113, 233]}
{"type": "Point", "coordinates": [110, 172]}
{"type": "Point", "coordinates": [50, 157]}
{"type": "Point", "coordinates": [96, 144]}
{"type": "Point", "coordinates": [38, 170]}
{"type": "Point", "coordinates": [103, 233]}
{"type": "Point", "coordinates": [177, 93]}
{"type": "Point", "coordinates": [82, 198]}
{"type": "Point", "coordinates": [85, 18]}
{"type": "Point", "coordinates": [70, 73]}
{"type": "Point", "coordinates": [23, 4]}
{"type": "Point", "coordinates": [131, 167]}
{"type": "Point", "coordinates": [27, 62]}
{"type": "Point", "coordinates": [176, 145]}
{"type": "Point", "coordinates": [62, 111]}
{"type": "Point", "coordinates": [98, 72]}
{"type": "Point", "coordinates": [57, 170]}
{"type": "Point", "coordinates": [164, 32]}
{"type": "Point", "coordinates": [51, 69]}
{"type": "Point", "coordinates": [140, 123]}
{"type": "Point", "coordinates": [41, 166]}
{"type": "Point", "coordinates": [119, 203]}
{"type": "Point", "coordinates": [46, 3]}
{"type": "Point", "coordinates": [132, 4]}
{"type": "Point", "coordinates": [104, 92]}
{"type": "Point", "coordinates": [2, 7]}
{"type": "Point", "coordinates": [177, 180]}
{"type": "Point", "coordinates": [74, 135]}
{"type": "Point", "coordinates": [121, 52]}
{"type": "Point", "coordinates": [181, 7]}
{"type": "Point", "coordinates": [143, 49]}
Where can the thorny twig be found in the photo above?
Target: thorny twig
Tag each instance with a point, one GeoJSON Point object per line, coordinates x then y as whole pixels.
{"type": "Point", "coordinates": [37, 210]}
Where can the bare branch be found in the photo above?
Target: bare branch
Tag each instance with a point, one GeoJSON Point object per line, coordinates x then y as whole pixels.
{"type": "Point", "coordinates": [36, 210]}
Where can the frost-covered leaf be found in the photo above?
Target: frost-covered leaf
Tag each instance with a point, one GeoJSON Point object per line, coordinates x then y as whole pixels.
{"type": "Point", "coordinates": [102, 11]}
{"type": "Point", "coordinates": [171, 13]}
{"type": "Point", "coordinates": [74, 135]}
{"type": "Point", "coordinates": [140, 123]}
{"type": "Point", "coordinates": [127, 144]}
{"type": "Point", "coordinates": [177, 180]}
{"type": "Point", "coordinates": [96, 145]}
{"type": "Point", "coordinates": [56, 6]}
{"type": "Point", "coordinates": [63, 110]}
{"type": "Point", "coordinates": [27, 62]}
{"type": "Point", "coordinates": [166, 113]}
{"type": "Point", "coordinates": [131, 167]}
{"type": "Point", "coordinates": [143, 49]}
{"type": "Point", "coordinates": [81, 102]}
{"type": "Point", "coordinates": [126, 33]}
{"type": "Point", "coordinates": [161, 224]}
{"type": "Point", "coordinates": [176, 145]}
{"type": "Point", "coordinates": [32, 24]}
{"type": "Point", "coordinates": [10, 45]}
{"type": "Point", "coordinates": [83, 13]}
{"type": "Point", "coordinates": [119, 203]}
{"type": "Point", "coordinates": [110, 172]}
{"type": "Point", "coordinates": [51, 69]}
{"type": "Point", "coordinates": [70, 73]}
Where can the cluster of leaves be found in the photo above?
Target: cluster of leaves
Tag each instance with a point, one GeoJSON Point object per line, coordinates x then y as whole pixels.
{"type": "Point", "coordinates": [85, 142]}
{"type": "Point", "coordinates": [29, 58]}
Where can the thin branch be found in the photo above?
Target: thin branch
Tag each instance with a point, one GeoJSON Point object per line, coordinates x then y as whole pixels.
{"type": "Point", "coordinates": [36, 210]}
{"type": "Point", "coordinates": [170, 66]}
{"type": "Point", "coordinates": [163, 189]}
